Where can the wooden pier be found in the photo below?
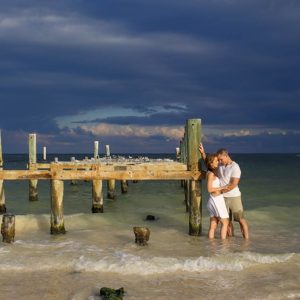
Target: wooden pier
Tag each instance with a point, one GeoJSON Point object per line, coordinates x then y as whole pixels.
{"type": "Point", "coordinates": [184, 168]}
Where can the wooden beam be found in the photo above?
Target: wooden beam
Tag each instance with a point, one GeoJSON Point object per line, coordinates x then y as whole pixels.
{"type": "Point", "coordinates": [24, 174]}
{"type": "Point", "coordinates": [171, 166]}
{"type": "Point", "coordinates": [98, 174]}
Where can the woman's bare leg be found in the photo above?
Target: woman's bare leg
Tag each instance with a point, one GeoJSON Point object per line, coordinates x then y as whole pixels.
{"type": "Point", "coordinates": [212, 228]}
{"type": "Point", "coordinates": [224, 228]}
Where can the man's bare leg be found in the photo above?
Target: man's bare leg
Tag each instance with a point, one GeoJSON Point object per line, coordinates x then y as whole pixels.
{"type": "Point", "coordinates": [230, 232]}
{"type": "Point", "coordinates": [244, 228]}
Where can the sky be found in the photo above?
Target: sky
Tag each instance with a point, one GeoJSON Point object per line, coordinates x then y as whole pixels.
{"type": "Point", "coordinates": [130, 73]}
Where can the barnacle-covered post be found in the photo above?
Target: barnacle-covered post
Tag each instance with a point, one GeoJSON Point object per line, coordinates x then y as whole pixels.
{"type": "Point", "coordinates": [193, 127]}
{"type": "Point", "coordinates": [8, 228]}
{"type": "Point", "coordinates": [57, 205]}
{"type": "Point", "coordinates": [97, 206]}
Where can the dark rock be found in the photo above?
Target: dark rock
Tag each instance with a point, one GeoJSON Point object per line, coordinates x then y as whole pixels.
{"type": "Point", "coordinates": [151, 218]}
{"type": "Point", "coordinates": [111, 294]}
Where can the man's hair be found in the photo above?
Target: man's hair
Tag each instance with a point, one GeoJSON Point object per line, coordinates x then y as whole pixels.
{"type": "Point", "coordinates": [222, 151]}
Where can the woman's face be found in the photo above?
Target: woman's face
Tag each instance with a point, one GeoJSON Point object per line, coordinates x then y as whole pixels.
{"type": "Point", "coordinates": [215, 163]}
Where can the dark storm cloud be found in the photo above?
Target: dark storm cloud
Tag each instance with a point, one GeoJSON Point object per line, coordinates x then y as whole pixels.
{"type": "Point", "coordinates": [227, 62]}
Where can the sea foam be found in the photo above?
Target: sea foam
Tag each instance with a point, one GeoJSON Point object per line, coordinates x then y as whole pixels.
{"type": "Point", "coordinates": [132, 264]}
{"type": "Point", "coordinates": [74, 256]}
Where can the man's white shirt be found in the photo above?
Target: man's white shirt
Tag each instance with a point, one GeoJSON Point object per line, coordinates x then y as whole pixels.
{"type": "Point", "coordinates": [225, 173]}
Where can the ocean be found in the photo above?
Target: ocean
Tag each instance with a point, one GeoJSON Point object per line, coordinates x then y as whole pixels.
{"type": "Point", "coordinates": [98, 249]}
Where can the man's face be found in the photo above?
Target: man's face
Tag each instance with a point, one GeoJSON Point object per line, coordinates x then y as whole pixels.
{"type": "Point", "coordinates": [223, 159]}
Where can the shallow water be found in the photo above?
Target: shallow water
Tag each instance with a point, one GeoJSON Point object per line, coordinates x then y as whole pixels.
{"type": "Point", "coordinates": [98, 249]}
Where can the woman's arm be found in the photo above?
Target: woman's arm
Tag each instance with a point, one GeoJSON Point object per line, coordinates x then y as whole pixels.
{"type": "Point", "coordinates": [202, 151]}
{"type": "Point", "coordinates": [210, 188]}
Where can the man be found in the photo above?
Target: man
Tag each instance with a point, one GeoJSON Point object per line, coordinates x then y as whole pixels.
{"type": "Point", "coordinates": [229, 174]}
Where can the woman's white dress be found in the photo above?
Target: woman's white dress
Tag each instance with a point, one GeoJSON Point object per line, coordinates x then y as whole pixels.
{"type": "Point", "coordinates": [216, 204]}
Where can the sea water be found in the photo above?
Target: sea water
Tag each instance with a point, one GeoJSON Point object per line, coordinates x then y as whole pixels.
{"type": "Point", "coordinates": [99, 250]}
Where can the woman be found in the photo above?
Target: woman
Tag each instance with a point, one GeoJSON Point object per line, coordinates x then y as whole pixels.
{"type": "Point", "coordinates": [216, 203]}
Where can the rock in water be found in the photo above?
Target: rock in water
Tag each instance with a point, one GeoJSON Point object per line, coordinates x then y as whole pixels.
{"type": "Point", "coordinates": [111, 294]}
{"type": "Point", "coordinates": [151, 218]}
{"type": "Point", "coordinates": [142, 235]}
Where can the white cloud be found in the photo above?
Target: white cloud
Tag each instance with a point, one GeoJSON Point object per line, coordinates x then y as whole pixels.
{"type": "Point", "coordinates": [102, 129]}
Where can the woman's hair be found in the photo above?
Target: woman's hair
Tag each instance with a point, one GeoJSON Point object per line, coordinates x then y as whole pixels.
{"type": "Point", "coordinates": [209, 160]}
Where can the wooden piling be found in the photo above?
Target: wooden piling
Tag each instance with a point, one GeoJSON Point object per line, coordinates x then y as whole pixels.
{"type": "Point", "coordinates": [124, 186]}
{"type": "Point", "coordinates": [142, 235]}
{"type": "Point", "coordinates": [97, 193]}
{"type": "Point", "coordinates": [96, 149]}
{"type": "Point", "coordinates": [97, 206]}
{"type": "Point", "coordinates": [107, 150]}
{"type": "Point", "coordinates": [8, 228]}
{"type": "Point", "coordinates": [57, 211]}
{"type": "Point", "coordinates": [111, 184]}
{"type": "Point", "coordinates": [33, 192]}
{"type": "Point", "coordinates": [111, 188]}
{"type": "Point", "coordinates": [2, 194]}
{"type": "Point", "coordinates": [73, 182]}
{"type": "Point", "coordinates": [181, 159]}
{"type": "Point", "coordinates": [44, 153]}
{"type": "Point", "coordinates": [186, 184]}
{"type": "Point", "coordinates": [193, 127]}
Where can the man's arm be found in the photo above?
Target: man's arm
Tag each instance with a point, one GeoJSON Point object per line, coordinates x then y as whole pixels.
{"type": "Point", "coordinates": [232, 184]}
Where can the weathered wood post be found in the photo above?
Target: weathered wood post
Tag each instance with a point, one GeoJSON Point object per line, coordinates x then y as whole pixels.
{"type": "Point", "coordinates": [73, 182]}
{"type": "Point", "coordinates": [193, 161]}
{"type": "Point", "coordinates": [57, 209]}
{"type": "Point", "coordinates": [2, 194]}
{"type": "Point", "coordinates": [96, 149]}
{"type": "Point", "coordinates": [181, 159]}
{"type": "Point", "coordinates": [177, 154]}
{"type": "Point", "coordinates": [8, 228]}
{"type": "Point", "coordinates": [142, 235]}
{"type": "Point", "coordinates": [186, 182]}
{"type": "Point", "coordinates": [97, 193]}
{"type": "Point", "coordinates": [33, 192]}
{"type": "Point", "coordinates": [107, 150]}
{"type": "Point", "coordinates": [124, 186]}
{"type": "Point", "coordinates": [111, 184]}
{"type": "Point", "coordinates": [44, 153]}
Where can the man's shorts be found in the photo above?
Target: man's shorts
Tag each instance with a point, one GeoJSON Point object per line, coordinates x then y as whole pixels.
{"type": "Point", "coordinates": [235, 208]}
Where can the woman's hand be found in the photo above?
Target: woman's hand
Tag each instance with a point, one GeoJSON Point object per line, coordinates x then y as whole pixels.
{"type": "Point", "coordinates": [217, 193]}
{"type": "Point", "coordinates": [201, 148]}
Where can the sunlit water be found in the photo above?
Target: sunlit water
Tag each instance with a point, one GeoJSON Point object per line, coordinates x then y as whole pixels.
{"type": "Point", "coordinates": [98, 249]}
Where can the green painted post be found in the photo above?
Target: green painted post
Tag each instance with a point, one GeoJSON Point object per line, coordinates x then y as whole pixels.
{"type": "Point", "coordinates": [193, 127]}
{"type": "Point", "coordinates": [186, 182]}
